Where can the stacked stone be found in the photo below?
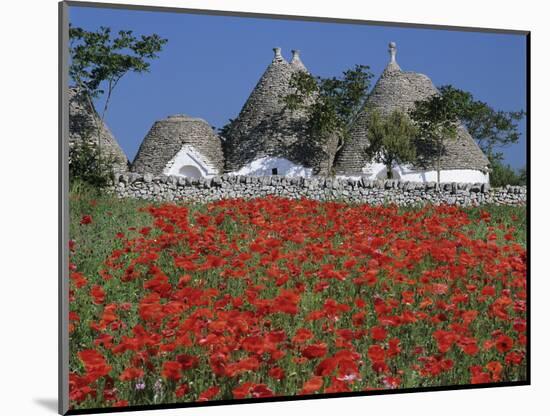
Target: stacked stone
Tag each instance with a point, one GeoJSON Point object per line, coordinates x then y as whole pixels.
{"type": "Point", "coordinates": [166, 138]}
{"type": "Point", "coordinates": [83, 125]}
{"type": "Point", "coordinates": [374, 192]}
{"type": "Point", "coordinates": [398, 90]}
{"type": "Point", "coordinates": [265, 129]}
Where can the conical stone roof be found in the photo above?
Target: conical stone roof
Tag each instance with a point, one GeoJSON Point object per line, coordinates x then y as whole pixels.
{"type": "Point", "coordinates": [398, 90]}
{"type": "Point", "coordinates": [264, 128]}
{"type": "Point", "coordinates": [167, 137]}
{"type": "Point", "coordinates": [83, 119]}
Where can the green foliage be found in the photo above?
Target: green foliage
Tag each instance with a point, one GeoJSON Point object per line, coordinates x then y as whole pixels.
{"type": "Point", "coordinates": [490, 128]}
{"type": "Point", "coordinates": [331, 104]}
{"type": "Point", "coordinates": [391, 139]}
{"type": "Point", "coordinates": [88, 166]}
{"type": "Point", "coordinates": [522, 175]}
{"type": "Point", "coordinates": [223, 132]}
{"type": "Point", "coordinates": [100, 60]}
{"type": "Point", "coordinates": [437, 119]}
{"type": "Point", "coordinates": [503, 174]}
{"type": "Point", "coordinates": [98, 57]}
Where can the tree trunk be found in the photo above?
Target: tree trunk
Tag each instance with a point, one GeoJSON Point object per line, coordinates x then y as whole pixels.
{"type": "Point", "coordinates": [438, 167]}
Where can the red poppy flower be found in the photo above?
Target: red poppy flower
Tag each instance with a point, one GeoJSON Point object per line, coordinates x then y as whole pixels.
{"type": "Point", "coordinates": [261, 390]}
{"type": "Point", "coordinates": [495, 368]}
{"type": "Point", "coordinates": [78, 279]}
{"type": "Point", "coordinates": [131, 374]}
{"type": "Point", "coordinates": [98, 294]}
{"type": "Point", "coordinates": [86, 219]}
{"type": "Point", "coordinates": [302, 335]}
{"type": "Point", "coordinates": [208, 394]}
{"type": "Point", "coordinates": [277, 373]}
{"type": "Point", "coordinates": [513, 358]}
{"type": "Point", "coordinates": [503, 343]}
{"type": "Point", "coordinates": [478, 376]}
{"type": "Point", "coordinates": [376, 353]}
{"type": "Point", "coordinates": [326, 367]}
{"type": "Point", "coordinates": [182, 390]}
{"type": "Point", "coordinates": [312, 385]}
{"type": "Point", "coordinates": [315, 350]}
{"type": "Point", "coordinates": [378, 333]}
{"type": "Point", "coordinates": [171, 370]}
{"type": "Point", "coordinates": [243, 391]}
{"type": "Point", "coordinates": [95, 364]}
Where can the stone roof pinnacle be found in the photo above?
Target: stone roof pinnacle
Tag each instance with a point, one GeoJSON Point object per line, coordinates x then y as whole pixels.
{"type": "Point", "coordinates": [278, 56]}
{"type": "Point", "coordinates": [392, 65]}
{"type": "Point", "coordinates": [296, 62]}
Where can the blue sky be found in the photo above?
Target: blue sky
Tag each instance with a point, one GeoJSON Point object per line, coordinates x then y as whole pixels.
{"type": "Point", "coordinates": [211, 64]}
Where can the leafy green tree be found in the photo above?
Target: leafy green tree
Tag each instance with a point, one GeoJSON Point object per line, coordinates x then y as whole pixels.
{"type": "Point", "coordinates": [437, 119]}
{"type": "Point", "coordinates": [331, 104]}
{"type": "Point", "coordinates": [99, 60]}
{"type": "Point", "coordinates": [492, 130]}
{"type": "Point", "coordinates": [391, 139]}
{"type": "Point", "coordinates": [522, 175]}
{"type": "Point", "coordinates": [503, 174]}
{"type": "Point", "coordinates": [87, 166]}
{"type": "Point", "coordinates": [223, 132]}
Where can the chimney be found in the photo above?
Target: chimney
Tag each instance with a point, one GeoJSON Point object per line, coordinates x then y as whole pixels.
{"type": "Point", "coordinates": [278, 56]}
{"type": "Point", "coordinates": [296, 62]}
{"type": "Point", "coordinates": [393, 52]}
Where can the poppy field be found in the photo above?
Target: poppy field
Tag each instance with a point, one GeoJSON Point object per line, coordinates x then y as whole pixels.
{"type": "Point", "coordinates": [275, 297]}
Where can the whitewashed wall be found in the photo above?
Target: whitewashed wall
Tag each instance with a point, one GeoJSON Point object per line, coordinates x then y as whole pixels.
{"type": "Point", "coordinates": [452, 175]}
{"type": "Point", "coordinates": [189, 163]}
{"type": "Point", "coordinates": [374, 171]}
{"type": "Point", "coordinates": [264, 167]}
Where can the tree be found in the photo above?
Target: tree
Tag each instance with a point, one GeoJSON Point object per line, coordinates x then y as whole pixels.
{"type": "Point", "coordinates": [223, 132]}
{"type": "Point", "coordinates": [86, 165]}
{"type": "Point", "coordinates": [522, 175]}
{"type": "Point", "coordinates": [490, 128]}
{"type": "Point", "coordinates": [330, 104]}
{"type": "Point", "coordinates": [391, 139]}
{"type": "Point", "coordinates": [437, 119]}
{"type": "Point", "coordinates": [100, 60]}
{"type": "Point", "coordinates": [503, 174]}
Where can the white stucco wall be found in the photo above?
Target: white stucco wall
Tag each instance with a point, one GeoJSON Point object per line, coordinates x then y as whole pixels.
{"type": "Point", "coordinates": [264, 166]}
{"type": "Point", "coordinates": [450, 175]}
{"type": "Point", "coordinates": [374, 171]}
{"type": "Point", "coordinates": [190, 163]}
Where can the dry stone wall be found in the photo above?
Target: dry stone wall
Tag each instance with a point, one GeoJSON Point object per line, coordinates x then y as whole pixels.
{"type": "Point", "coordinates": [171, 188]}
